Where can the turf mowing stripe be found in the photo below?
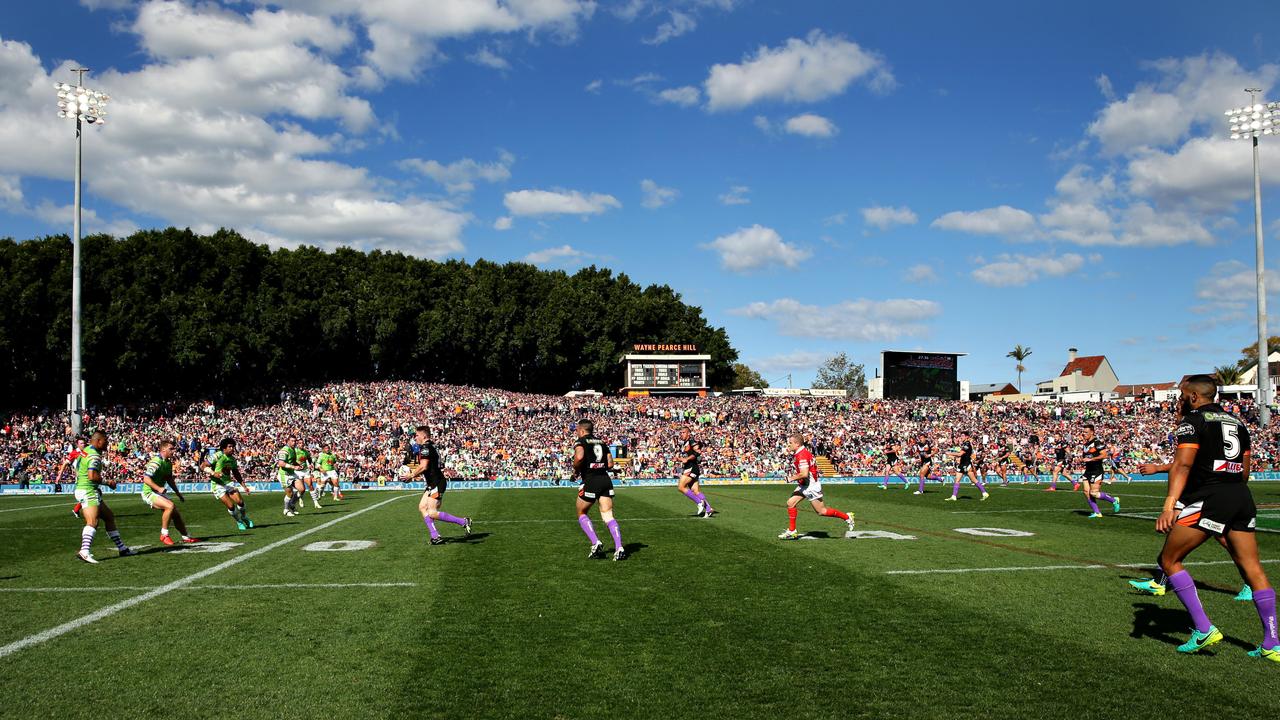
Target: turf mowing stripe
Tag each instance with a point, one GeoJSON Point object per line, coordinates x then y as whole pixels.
{"type": "Point", "coordinates": [110, 610]}
{"type": "Point", "coordinates": [277, 586]}
{"type": "Point", "coordinates": [33, 507]}
{"type": "Point", "coordinates": [956, 571]}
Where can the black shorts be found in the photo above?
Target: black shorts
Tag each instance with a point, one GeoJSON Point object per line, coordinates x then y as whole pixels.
{"type": "Point", "coordinates": [924, 462]}
{"type": "Point", "coordinates": [1091, 476]}
{"type": "Point", "coordinates": [1219, 508]}
{"type": "Point", "coordinates": [965, 465]}
{"type": "Point", "coordinates": [436, 488]}
{"type": "Point", "coordinates": [595, 487]}
{"type": "Point", "coordinates": [694, 471]}
{"type": "Point", "coordinates": [891, 459]}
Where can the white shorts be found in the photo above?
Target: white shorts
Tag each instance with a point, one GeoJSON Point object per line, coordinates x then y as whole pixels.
{"type": "Point", "coordinates": [92, 498]}
{"type": "Point", "coordinates": [329, 475]}
{"type": "Point", "coordinates": [149, 495]}
{"type": "Point", "coordinates": [811, 492]}
{"type": "Point", "coordinates": [219, 491]}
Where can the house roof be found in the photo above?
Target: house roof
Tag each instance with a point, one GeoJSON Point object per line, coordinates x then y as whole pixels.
{"type": "Point", "coordinates": [992, 389]}
{"type": "Point", "coordinates": [1087, 365]}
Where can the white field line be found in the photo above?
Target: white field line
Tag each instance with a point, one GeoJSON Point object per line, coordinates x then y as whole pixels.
{"type": "Point", "coordinates": [1105, 488]}
{"type": "Point", "coordinates": [958, 571]}
{"type": "Point", "coordinates": [1043, 510]}
{"type": "Point", "coordinates": [110, 610]}
{"type": "Point", "coordinates": [276, 586]}
{"type": "Point", "coordinates": [79, 524]}
{"type": "Point", "coordinates": [480, 523]}
{"type": "Point", "coordinates": [39, 507]}
{"type": "Point", "coordinates": [1153, 516]}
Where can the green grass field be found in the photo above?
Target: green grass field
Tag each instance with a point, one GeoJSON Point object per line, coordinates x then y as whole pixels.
{"type": "Point", "coordinates": [708, 618]}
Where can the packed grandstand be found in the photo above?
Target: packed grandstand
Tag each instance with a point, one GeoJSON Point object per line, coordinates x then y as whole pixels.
{"type": "Point", "coordinates": [496, 434]}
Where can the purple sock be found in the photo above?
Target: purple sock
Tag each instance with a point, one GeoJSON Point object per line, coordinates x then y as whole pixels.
{"type": "Point", "coordinates": [1185, 587]}
{"type": "Point", "coordinates": [585, 522]}
{"type": "Point", "coordinates": [981, 486]}
{"type": "Point", "coordinates": [1106, 497]}
{"type": "Point", "coordinates": [690, 494]}
{"type": "Point", "coordinates": [702, 498]}
{"type": "Point", "coordinates": [1265, 600]}
{"type": "Point", "coordinates": [1092, 505]}
{"type": "Point", "coordinates": [617, 535]}
{"type": "Point", "coordinates": [922, 484]}
{"type": "Point", "coordinates": [955, 488]}
{"type": "Point", "coordinates": [431, 527]}
{"type": "Point", "coordinates": [451, 519]}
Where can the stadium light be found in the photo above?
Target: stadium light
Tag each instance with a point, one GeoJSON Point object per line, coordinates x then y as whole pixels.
{"type": "Point", "coordinates": [79, 103]}
{"type": "Point", "coordinates": [1252, 122]}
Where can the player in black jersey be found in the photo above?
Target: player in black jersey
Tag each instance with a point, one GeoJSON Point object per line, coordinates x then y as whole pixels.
{"type": "Point", "coordinates": [1208, 496]}
{"type": "Point", "coordinates": [690, 458]}
{"type": "Point", "coordinates": [964, 467]}
{"type": "Point", "coordinates": [1092, 454]}
{"type": "Point", "coordinates": [923, 450]}
{"type": "Point", "coordinates": [592, 463]}
{"type": "Point", "coordinates": [1061, 465]}
{"type": "Point", "coordinates": [893, 465]}
{"type": "Point", "coordinates": [425, 461]}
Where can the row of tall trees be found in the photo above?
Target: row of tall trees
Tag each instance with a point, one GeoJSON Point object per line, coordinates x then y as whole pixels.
{"type": "Point", "coordinates": [173, 314]}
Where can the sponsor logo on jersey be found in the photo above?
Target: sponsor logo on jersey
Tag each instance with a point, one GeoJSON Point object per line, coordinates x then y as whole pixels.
{"type": "Point", "coordinates": [1184, 430]}
{"type": "Point", "coordinates": [1227, 467]}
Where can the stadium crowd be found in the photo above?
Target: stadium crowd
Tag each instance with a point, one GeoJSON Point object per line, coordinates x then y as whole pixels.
{"type": "Point", "coordinates": [495, 434]}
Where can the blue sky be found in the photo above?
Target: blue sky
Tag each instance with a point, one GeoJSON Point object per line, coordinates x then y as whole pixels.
{"type": "Point", "coordinates": [817, 176]}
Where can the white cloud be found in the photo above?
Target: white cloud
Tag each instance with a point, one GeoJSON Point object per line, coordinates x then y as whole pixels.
{"type": "Point", "coordinates": [862, 320]}
{"type": "Point", "coordinates": [885, 217]}
{"type": "Point", "coordinates": [503, 223]}
{"type": "Point", "coordinates": [594, 86]}
{"type": "Point", "coordinates": [488, 58]}
{"type": "Point", "coordinates": [685, 96]}
{"type": "Point", "coordinates": [1187, 92]}
{"type": "Point", "coordinates": [796, 360]}
{"type": "Point", "coordinates": [737, 195]}
{"type": "Point", "coordinates": [1018, 270]}
{"type": "Point", "coordinates": [655, 196]}
{"type": "Point", "coordinates": [811, 125]}
{"type": "Point", "coordinates": [836, 219]}
{"type": "Point", "coordinates": [762, 124]}
{"type": "Point", "coordinates": [460, 176]}
{"type": "Point", "coordinates": [1211, 173]}
{"type": "Point", "coordinates": [920, 274]}
{"type": "Point", "coordinates": [555, 255]}
{"type": "Point", "coordinates": [754, 248]}
{"type": "Point", "coordinates": [802, 70]}
{"type": "Point", "coordinates": [247, 163]}
{"type": "Point", "coordinates": [522, 203]}
{"type": "Point", "coordinates": [1002, 220]}
{"type": "Point", "coordinates": [678, 24]}
{"type": "Point", "coordinates": [1228, 293]}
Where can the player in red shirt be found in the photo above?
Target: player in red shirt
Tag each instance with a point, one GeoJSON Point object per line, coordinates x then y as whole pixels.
{"type": "Point", "coordinates": [70, 462]}
{"type": "Point", "coordinates": [804, 473]}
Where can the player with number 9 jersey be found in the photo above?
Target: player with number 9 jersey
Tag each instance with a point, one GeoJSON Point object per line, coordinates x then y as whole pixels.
{"type": "Point", "coordinates": [591, 463]}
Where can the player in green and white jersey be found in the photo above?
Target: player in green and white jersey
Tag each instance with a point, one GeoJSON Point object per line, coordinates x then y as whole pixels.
{"type": "Point", "coordinates": [306, 483]}
{"type": "Point", "coordinates": [287, 468]}
{"type": "Point", "coordinates": [157, 478]}
{"type": "Point", "coordinates": [89, 478]}
{"type": "Point", "coordinates": [327, 472]}
{"type": "Point", "coordinates": [221, 469]}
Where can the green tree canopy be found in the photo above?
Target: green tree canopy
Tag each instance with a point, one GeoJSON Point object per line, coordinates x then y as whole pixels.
{"type": "Point", "coordinates": [172, 314]}
{"type": "Point", "coordinates": [744, 376]}
{"type": "Point", "coordinates": [840, 373]}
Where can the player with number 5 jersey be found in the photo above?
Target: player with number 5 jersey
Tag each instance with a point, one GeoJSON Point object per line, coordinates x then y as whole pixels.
{"type": "Point", "coordinates": [1208, 497]}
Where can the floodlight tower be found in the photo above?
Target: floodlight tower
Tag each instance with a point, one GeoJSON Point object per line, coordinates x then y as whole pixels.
{"type": "Point", "coordinates": [79, 103]}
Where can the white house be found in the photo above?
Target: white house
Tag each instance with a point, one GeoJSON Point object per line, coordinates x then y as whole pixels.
{"type": "Point", "coordinates": [1089, 373]}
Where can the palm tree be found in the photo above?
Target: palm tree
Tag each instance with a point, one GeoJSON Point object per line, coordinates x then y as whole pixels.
{"type": "Point", "coordinates": [1228, 374]}
{"type": "Point", "coordinates": [1019, 353]}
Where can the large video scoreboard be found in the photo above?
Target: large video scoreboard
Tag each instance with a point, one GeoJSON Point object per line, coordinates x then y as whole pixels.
{"type": "Point", "coordinates": [664, 368]}
{"type": "Point", "coordinates": [914, 375]}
